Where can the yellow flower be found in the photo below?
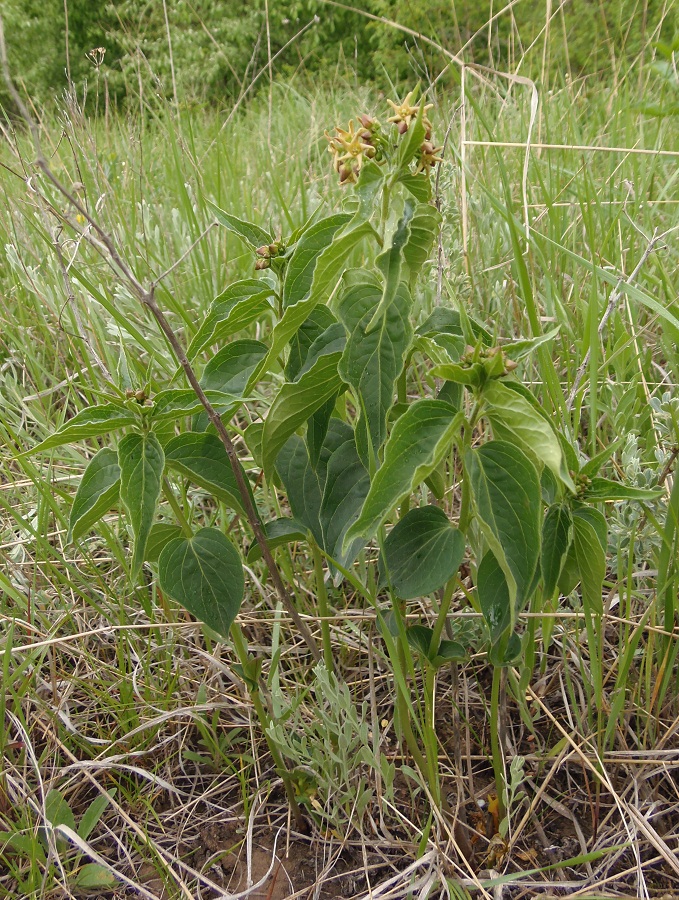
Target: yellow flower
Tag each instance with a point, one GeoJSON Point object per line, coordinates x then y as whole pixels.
{"type": "Point", "coordinates": [405, 112]}
{"type": "Point", "coordinates": [349, 148]}
{"type": "Point", "coordinates": [428, 157]}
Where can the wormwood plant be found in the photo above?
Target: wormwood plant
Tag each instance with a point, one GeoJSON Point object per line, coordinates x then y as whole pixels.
{"type": "Point", "coordinates": [376, 425]}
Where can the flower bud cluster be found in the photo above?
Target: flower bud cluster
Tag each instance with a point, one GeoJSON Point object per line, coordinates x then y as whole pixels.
{"type": "Point", "coordinates": [139, 395]}
{"type": "Point", "coordinates": [366, 140]}
{"type": "Point", "coordinates": [268, 252]}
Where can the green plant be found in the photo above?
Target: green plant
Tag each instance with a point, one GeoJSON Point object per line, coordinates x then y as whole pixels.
{"type": "Point", "coordinates": [27, 853]}
{"type": "Point", "coordinates": [359, 407]}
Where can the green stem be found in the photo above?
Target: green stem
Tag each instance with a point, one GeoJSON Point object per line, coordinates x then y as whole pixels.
{"type": "Point", "coordinates": [252, 684]}
{"type": "Point", "coordinates": [384, 212]}
{"type": "Point", "coordinates": [496, 748]}
{"type": "Point", "coordinates": [176, 508]}
{"type": "Point", "coordinates": [323, 606]}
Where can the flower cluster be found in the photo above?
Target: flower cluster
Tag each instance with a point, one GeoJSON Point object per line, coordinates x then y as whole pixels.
{"type": "Point", "coordinates": [352, 146]}
{"type": "Point", "coordinates": [349, 148]}
{"type": "Point", "coordinates": [268, 252]}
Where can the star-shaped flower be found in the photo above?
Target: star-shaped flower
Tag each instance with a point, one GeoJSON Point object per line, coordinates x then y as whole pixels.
{"type": "Point", "coordinates": [349, 148]}
{"type": "Point", "coordinates": [406, 111]}
{"type": "Point", "coordinates": [429, 157]}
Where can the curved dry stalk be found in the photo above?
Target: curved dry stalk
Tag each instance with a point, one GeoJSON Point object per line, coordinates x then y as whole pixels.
{"type": "Point", "coordinates": [146, 296]}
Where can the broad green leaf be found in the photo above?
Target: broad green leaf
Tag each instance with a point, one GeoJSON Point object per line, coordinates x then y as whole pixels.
{"type": "Point", "coordinates": [557, 536]}
{"type": "Point", "coordinates": [141, 460]}
{"type": "Point", "coordinates": [370, 181]}
{"type": "Point", "coordinates": [389, 262]}
{"type": "Point", "coordinates": [346, 487]}
{"type": "Point", "coordinates": [593, 465]}
{"type": "Point", "coordinates": [201, 458]}
{"type": "Point", "coordinates": [235, 308]}
{"type": "Point", "coordinates": [90, 818]}
{"type": "Point", "coordinates": [422, 552]}
{"type": "Point", "coordinates": [332, 340]}
{"type": "Point", "coordinates": [303, 484]}
{"type": "Point", "coordinates": [372, 361]}
{"type": "Point", "coordinates": [419, 639]}
{"type": "Point", "coordinates": [317, 427]}
{"type": "Point", "coordinates": [569, 576]}
{"type": "Point", "coordinates": [419, 185]}
{"type": "Point", "coordinates": [57, 810]}
{"type": "Point", "coordinates": [519, 349]}
{"type": "Point", "coordinates": [598, 522]}
{"type": "Point", "coordinates": [506, 490]}
{"type": "Point", "coordinates": [320, 319]}
{"type": "Point", "coordinates": [93, 876]}
{"type": "Point", "coordinates": [252, 234]}
{"type": "Point", "coordinates": [94, 421]}
{"type": "Point", "coordinates": [228, 372]}
{"type": "Point", "coordinates": [278, 533]}
{"type": "Point", "coordinates": [160, 535]}
{"type": "Point", "coordinates": [300, 269]}
{"type": "Point", "coordinates": [444, 320]}
{"type": "Point", "coordinates": [494, 598]}
{"type": "Point", "coordinates": [175, 404]}
{"type": "Point", "coordinates": [253, 441]}
{"type": "Point", "coordinates": [591, 561]}
{"type": "Point", "coordinates": [328, 269]}
{"type": "Point", "coordinates": [297, 401]}
{"type": "Point", "coordinates": [229, 369]}
{"type": "Point", "coordinates": [14, 842]}
{"type": "Point", "coordinates": [418, 441]}
{"type": "Point", "coordinates": [204, 573]}
{"type": "Point", "coordinates": [604, 489]}
{"type": "Point", "coordinates": [423, 231]}
{"type": "Point", "coordinates": [97, 493]}
{"type": "Point", "coordinates": [449, 651]}
{"type": "Point", "coordinates": [515, 421]}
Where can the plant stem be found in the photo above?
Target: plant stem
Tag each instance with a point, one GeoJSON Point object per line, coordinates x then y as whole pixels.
{"type": "Point", "coordinates": [252, 686]}
{"type": "Point", "coordinates": [495, 745]}
{"type": "Point", "coordinates": [176, 508]}
{"type": "Point", "coordinates": [323, 606]}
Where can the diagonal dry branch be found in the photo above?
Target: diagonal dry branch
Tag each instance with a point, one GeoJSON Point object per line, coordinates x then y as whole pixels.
{"type": "Point", "coordinates": [146, 296]}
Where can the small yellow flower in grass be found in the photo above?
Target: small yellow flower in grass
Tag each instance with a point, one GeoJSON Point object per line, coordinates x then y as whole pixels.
{"type": "Point", "coordinates": [406, 111]}
{"type": "Point", "coordinates": [80, 219]}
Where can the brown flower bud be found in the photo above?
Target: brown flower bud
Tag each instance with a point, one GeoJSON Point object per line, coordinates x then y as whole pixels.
{"type": "Point", "coordinates": [263, 251]}
{"type": "Point", "coordinates": [366, 121]}
{"type": "Point", "coordinates": [262, 264]}
{"type": "Point", "coordinates": [402, 127]}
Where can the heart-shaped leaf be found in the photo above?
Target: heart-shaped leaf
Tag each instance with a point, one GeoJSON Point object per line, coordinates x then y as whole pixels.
{"type": "Point", "coordinates": [204, 573]}
{"type": "Point", "coordinates": [422, 552]}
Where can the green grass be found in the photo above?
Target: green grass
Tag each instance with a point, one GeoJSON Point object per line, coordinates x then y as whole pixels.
{"type": "Point", "coordinates": [107, 685]}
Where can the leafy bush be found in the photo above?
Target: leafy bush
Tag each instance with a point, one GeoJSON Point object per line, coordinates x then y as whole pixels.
{"type": "Point", "coordinates": [217, 48]}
